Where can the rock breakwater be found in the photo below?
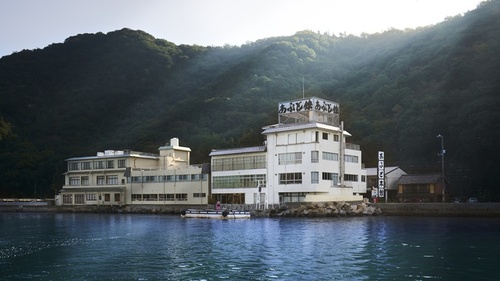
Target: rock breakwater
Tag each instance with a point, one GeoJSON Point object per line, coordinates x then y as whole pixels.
{"type": "Point", "coordinates": [327, 209]}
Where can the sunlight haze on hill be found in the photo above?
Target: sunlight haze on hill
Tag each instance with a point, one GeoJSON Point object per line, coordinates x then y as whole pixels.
{"type": "Point", "coordinates": [37, 24]}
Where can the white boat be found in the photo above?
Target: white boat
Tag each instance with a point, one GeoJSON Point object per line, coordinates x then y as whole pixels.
{"type": "Point", "coordinates": [215, 214]}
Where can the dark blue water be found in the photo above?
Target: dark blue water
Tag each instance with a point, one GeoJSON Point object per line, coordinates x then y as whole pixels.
{"type": "Point", "coordinates": [154, 247]}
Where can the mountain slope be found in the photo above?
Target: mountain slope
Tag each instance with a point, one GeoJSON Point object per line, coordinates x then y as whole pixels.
{"type": "Point", "coordinates": [126, 89]}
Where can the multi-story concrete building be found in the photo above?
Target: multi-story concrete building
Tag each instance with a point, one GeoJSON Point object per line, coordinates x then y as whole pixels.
{"type": "Point", "coordinates": [305, 158]}
{"type": "Point", "coordinates": [129, 177]}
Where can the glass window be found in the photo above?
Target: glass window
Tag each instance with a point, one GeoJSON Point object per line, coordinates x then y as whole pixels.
{"type": "Point", "coordinates": [110, 164]}
{"type": "Point", "coordinates": [91, 197]}
{"type": "Point", "coordinates": [290, 178]}
{"type": "Point", "coordinates": [67, 198]}
{"type": "Point", "coordinates": [99, 165]}
{"type": "Point", "coordinates": [112, 179]}
{"type": "Point", "coordinates": [290, 158]}
{"type": "Point", "coordinates": [73, 166]}
{"type": "Point", "coordinates": [330, 156]}
{"type": "Point", "coordinates": [325, 136]}
{"type": "Point", "coordinates": [314, 177]}
{"type": "Point", "coordinates": [74, 180]}
{"type": "Point", "coordinates": [351, 158]}
{"type": "Point", "coordinates": [101, 180]}
{"type": "Point", "coordinates": [85, 180]}
{"type": "Point", "coordinates": [85, 165]}
{"type": "Point", "coordinates": [121, 163]}
{"type": "Point", "coordinates": [314, 156]}
{"type": "Point", "coordinates": [79, 199]}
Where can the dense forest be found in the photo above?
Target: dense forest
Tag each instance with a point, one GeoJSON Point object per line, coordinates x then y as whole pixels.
{"type": "Point", "coordinates": [397, 91]}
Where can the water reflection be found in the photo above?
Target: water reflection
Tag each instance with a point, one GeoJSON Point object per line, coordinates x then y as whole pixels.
{"type": "Point", "coordinates": [145, 247]}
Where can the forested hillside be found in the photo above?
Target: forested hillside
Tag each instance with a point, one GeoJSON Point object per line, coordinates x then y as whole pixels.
{"type": "Point", "coordinates": [128, 90]}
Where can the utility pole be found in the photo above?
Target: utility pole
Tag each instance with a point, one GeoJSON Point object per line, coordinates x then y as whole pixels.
{"type": "Point", "coordinates": [442, 164]}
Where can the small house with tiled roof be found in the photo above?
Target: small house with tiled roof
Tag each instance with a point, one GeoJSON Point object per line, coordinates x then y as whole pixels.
{"type": "Point", "coordinates": [420, 188]}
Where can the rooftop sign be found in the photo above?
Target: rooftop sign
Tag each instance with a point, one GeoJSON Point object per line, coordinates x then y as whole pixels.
{"type": "Point", "coordinates": [309, 109]}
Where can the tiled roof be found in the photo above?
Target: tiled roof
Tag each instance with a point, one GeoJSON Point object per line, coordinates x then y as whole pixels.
{"type": "Point", "coordinates": [229, 151]}
{"type": "Point", "coordinates": [418, 179]}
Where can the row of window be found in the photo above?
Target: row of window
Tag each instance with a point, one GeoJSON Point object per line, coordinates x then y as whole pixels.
{"type": "Point", "coordinates": [100, 180]}
{"type": "Point", "coordinates": [166, 197]}
{"type": "Point", "coordinates": [296, 178]}
{"type": "Point", "coordinates": [113, 179]}
{"type": "Point", "coordinates": [239, 163]}
{"type": "Point", "coordinates": [241, 181]}
{"type": "Point", "coordinates": [96, 165]}
{"type": "Point", "coordinates": [93, 197]}
{"type": "Point", "coordinates": [169, 178]}
{"type": "Point", "coordinates": [296, 157]}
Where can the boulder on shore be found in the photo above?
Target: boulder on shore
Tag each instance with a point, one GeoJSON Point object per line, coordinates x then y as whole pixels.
{"type": "Point", "coordinates": [329, 209]}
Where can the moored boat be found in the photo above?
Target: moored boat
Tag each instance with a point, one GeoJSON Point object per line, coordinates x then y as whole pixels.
{"type": "Point", "coordinates": [215, 214]}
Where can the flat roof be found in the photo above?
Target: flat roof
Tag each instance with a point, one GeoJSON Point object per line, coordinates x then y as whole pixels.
{"type": "Point", "coordinates": [300, 126]}
{"type": "Point", "coordinates": [253, 149]}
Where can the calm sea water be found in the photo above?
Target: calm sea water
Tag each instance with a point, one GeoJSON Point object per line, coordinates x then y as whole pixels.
{"type": "Point", "coordinates": [157, 247]}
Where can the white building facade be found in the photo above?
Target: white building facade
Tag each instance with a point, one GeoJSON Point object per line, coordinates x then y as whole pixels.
{"type": "Point", "coordinates": [136, 178]}
{"type": "Point", "coordinates": [307, 157]}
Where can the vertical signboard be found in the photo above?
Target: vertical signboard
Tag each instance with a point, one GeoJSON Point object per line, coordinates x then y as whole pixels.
{"type": "Point", "coordinates": [381, 174]}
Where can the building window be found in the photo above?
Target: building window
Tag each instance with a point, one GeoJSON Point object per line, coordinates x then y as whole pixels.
{"type": "Point", "coordinates": [239, 163]}
{"type": "Point", "coordinates": [101, 180]}
{"type": "Point", "coordinates": [150, 197]}
{"type": "Point", "coordinates": [314, 156]}
{"type": "Point", "coordinates": [290, 158]}
{"type": "Point", "coordinates": [330, 156]}
{"type": "Point", "coordinates": [85, 180]}
{"type": "Point", "coordinates": [121, 163]}
{"type": "Point", "coordinates": [170, 197]}
{"type": "Point", "coordinates": [110, 164]}
{"type": "Point", "coordinates": [351, 158]}
{"type": "Point", "coordinates": [107, 197]}
{"type": "Point", "coordinates": [112, 180]}
{"type": "Point", "coordinates": [181, 197]}
{"type": "Point", "coordinates": [73, 181]}
{"type": "Point", "coordinates": [199, 195]}
{"type": "Point", "coordinates": [99, 165]}
{"type": "Point", "coordinates": [136, 197]}
{"type": "Point", "coordinates": [325, 136]}
{"type": "Point", "coordinates": [349, 177]}
{"type": "Point", "coordinates": [292, 197]}
{"type": "Point", "coordinates": [91, 197]}
{"type": "Point", "coordinates": [67, 198]}
{"type": "Point", "coordinates": [336, 137]}
{"type": "Point", "coordinates": [363, 178]}
{"type": "Point", "coordinates": [73, 166]}
{"type": "Point", "coordinates": [79, 199]}
{"type": "Point", "coordinates": [290, 178]}
{"type": "Point", "coordinates": [334, 177]}
{"type": "Point", "coordinates": [314, 177]}
{"type": "Point", "coordinates": [241, 181]}
{"type": "Point", "coordinates": [85, 165]}
{"type": "Point", "coordinates": [117, 197]}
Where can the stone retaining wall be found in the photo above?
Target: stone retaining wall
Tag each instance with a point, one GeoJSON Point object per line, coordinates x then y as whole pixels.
{"type": "Point", "coordinates": [328, 209]}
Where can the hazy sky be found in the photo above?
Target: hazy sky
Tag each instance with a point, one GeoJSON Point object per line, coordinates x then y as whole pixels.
{"type": "Point", "coordinates": [30, 24]}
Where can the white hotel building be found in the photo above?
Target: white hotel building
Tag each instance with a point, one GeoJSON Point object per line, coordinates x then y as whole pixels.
{"type": "Point", "coordinates": [305, 158]}
{"type": "Point", "coordinates": [136, 178]}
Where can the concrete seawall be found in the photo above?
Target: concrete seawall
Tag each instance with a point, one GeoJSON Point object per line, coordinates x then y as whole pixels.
{"type": "Point", "coordinates": [388, 209]}
{"type": "Point", "coordinates": [440, 209]}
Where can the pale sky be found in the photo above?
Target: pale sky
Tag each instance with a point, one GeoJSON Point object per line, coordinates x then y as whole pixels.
{"type": "Point", "coordinates": [31, 24]}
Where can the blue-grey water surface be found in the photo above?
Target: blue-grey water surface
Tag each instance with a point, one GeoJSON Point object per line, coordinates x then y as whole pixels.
{"type": "Point", "coordinates": [159, 247]}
